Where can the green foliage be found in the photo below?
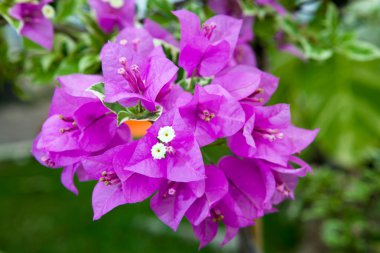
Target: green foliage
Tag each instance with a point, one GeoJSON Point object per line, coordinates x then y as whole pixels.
{"type": "Point", "coordinates": [335, 89]}
{"type": "Point", "coordinates": [138, 113]}
{"type": "Point", "coordinates": [214, 151]}
{"type": "Point", "coordinates": [319, 40]}
{"type": "Point", "coordinates": [76, 45]}
{"type": "Point", "coordinates": [345, 204]}
{"type": "Point", "coordinates": [360, 50]}
{"type": "Point", "coordinates": [39, 215]}
{"type": "Point", "coordinates": [160, 12]}
{"type": "Point", "coordinates": [363, 17]}
{"type": "Point", "coordinates": [66, 9]}
{"type": "Point", "coordinates": [340, 97]}
{"type": "Point", "coordinates": [89, 63]}
{"type": "Point", "coordinates": [4, 8]}
{"type": "Point", "coordinates": [171, 52]}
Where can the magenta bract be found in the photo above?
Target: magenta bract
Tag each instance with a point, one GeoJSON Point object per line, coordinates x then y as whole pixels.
{"type": "Point", "coordinates": [35, 26]}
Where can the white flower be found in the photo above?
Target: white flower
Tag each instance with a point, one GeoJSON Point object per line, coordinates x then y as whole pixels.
{"type": "Point", "coordinates": [48, 11]}
{"type": "Point", "coordinates": [123, 42]}
{"type": "Point", "coordinates": [166, 134]}
{"type": "Point", "coordinates": [171, 191]}
{"type": "Point", "coordinates": [117, 4]}
{"type": "Point", "coordinates": [158, 151]}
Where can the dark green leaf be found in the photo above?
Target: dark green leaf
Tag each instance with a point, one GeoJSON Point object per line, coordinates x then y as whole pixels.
{"type": "Point", "coordinates": [216, 150]}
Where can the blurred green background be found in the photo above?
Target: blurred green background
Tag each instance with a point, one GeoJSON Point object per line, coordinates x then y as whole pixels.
{"type": "Point", "coordinates": [337, 209]}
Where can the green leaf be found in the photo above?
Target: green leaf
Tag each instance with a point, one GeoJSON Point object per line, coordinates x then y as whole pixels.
{"type": "Point", "coordinates": [47, 61]}
{"type": "Point", "coordinates": [160, 11]}
{"type": "Point", "coordinates": [249, 8]}
{"type": "Point", "coordinates": [316, 53]}
{"type": "Point", "coordinates": [358, 191]}
{"type": "Point", "coordinates": [180, 75]}
{"type": "Point", "coordinates": [16, 24]}
{"type": "Point", "coordinates": [115, 107]}
{"type": "Point", "coordinates": [98, 90]}
{"type": "Point", "coordinates": [67, 66]}
{"type": "Point", "coordinates": [288, 25]}
{"type": "Point", "coordinates": [216, 150]}
{"type": "Point", "coordinates": [93, 29]}
{"type": "Point", "coordinates": [170, 51]}
{"type": "Point", "coordinates": [88, 62]}
{"type": "Point", "coordinates": [203, 81]}
{"type": "Point", "coordinates": [134, 113]}
{"type": "Point", "coordinates": [332, 18]}
{"type": "Point", "coordinates": [360, 50]}
{"type": "Point", "coordinates": [67, 8]}
{"type": "Point", "coordinates": [334, 233]}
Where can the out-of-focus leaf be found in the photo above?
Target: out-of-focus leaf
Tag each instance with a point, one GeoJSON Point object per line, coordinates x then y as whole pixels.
{"type": "Point", "coordinates": [67, 66]}
{"type": "Point", "coordinates": [64, 44]}
{"type": "Point", "coordinates": [316, 53]}
{"type": "Point", "coordinates": [67, 8]}
{"type": "Point", "coordinates": [358, 191]}
{"type": "Point", "coordinates": [216, 150]}
{"type": "Point", "coordinates": [160, 11]}
{"type": "Point", "coordinates": [249, 8]}
{"type": "Point", "coordinates": [332, 18]}
{"type": "Point", "coordinates": [93, 29]}
{"type": "Point", "coordinates": [342, 205]}
{"type": "Point", "coordinates": [47, 61]}
{"type": "Point", "coordinates": [363, 18]}
{"type": "Point", "coordinates": [360, 50]}
{"type": "Point", "coordinates": [87, 62]}
{"type": "Point", "coordinates": [340, 97]}
{"type": "Point", "coordinates": [288, 25]}
{"type": "Point", "coordinates": [334, 233]}
{"type": "Point", "coordinates": [4, 8]}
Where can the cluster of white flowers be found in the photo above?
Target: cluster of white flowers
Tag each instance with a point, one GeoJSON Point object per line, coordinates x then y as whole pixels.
{"type": "Point", "coordinates": [165, 135]}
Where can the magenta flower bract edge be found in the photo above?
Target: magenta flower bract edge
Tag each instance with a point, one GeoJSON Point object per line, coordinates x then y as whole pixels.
{"type": "Point", "coordinates": [216, 99]}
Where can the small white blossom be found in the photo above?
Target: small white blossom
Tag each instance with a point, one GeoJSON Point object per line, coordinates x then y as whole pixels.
{"type": "Point", "coordinates": [48, 11]}
{"type": "Point", "coordinates": [171, 191]}
{"type": "Point", "coordinates": [158, 151]}
{"type": "Point", "coordinates": [117, 4]}
{"type": "Point", "coordinates": [123, 42]}
{"type": "Point", "coordinates": [166, 134]}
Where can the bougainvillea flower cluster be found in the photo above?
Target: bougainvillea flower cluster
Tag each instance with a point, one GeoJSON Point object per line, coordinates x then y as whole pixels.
{"type": "Point", "coordinates": [243, 52]}
{"type": "Point", "coordinates": [113, 14]}
{"type": "Point", "coordinates": [35, 21]}
{"type": "Point", "coordinates": [196, 96]}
